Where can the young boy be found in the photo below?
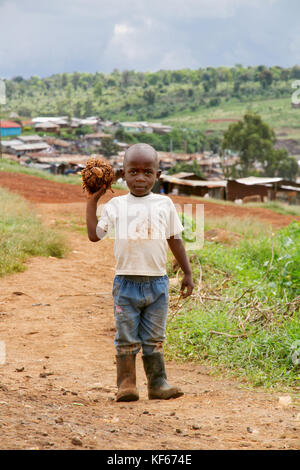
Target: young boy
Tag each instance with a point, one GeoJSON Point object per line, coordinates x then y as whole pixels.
{"type": "Point", "coordinates": [144, 225]}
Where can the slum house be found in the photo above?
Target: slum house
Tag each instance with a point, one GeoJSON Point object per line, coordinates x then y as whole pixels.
{"type": "Point", "coordinates": [60, 164]}
{"type": "Point", "coordinates": [95, 138]}
{"type": "Point", "coordinates": [9, 128]}
{"type": "Point", "coordinates": [7, 144]}
{"type": "Point", "coordinates": [136, 126]}
{"type": "Point", "coordinates": [91, 122]}
{"type": "Point", "coordinates": [266, 188]}
{"type": "Point", "coordinates": [288, 191]}
{"type": "Point", "coordinates": [210, 167]}
{"type": "Point", "coordinates": [48, 119]}
{"type": "Point", "coordinates": [109, 126]}
{"type": "Point", "coordinates": [47, 127]}
{"type": "Point", "coordinates": [30, 139]}
{"type": "Point", "coordinates": [165, 163]}
{"type": "Point", "coordinates": [185, 175]}
{"type": "Point", "coordinates": [21, 149]}
{"type": "Point", "coordinates": [189, 187]}
{"type": "Point", "coordinates": [168, 160]}
{"type": "Point", "coordinates": [59, 144]}
{"type": "Point", "coordinates": [160, 128]}
{"type": "Point", "coordinates": [62, 123]}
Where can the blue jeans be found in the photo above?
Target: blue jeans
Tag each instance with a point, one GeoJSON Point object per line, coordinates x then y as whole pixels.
{"type": "Point", "coordinates": [140, 310]}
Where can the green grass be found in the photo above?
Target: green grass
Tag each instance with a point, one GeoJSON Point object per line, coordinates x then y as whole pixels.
{"type": "Point", "coordinates": [278, 113]}
{"type": "Point", "coordinates": [22, 235]}
{"type": "Point", "coordinates": [276, 206]}
{"type": "Point", "coordinates": [248, 227]}
{"type": "Point", "coordinates": [73, 224]}
{"type": "Point", "coordinates": [246, 318]}
{"type": "Point", "coordinates": [279, 207]}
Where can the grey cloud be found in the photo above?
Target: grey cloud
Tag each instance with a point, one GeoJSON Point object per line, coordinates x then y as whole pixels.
{"type": "Point", "coordinates": [42, 37]}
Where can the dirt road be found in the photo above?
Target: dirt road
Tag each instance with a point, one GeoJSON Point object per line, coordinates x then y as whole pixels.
{"type": "Point", "coordinates": [41, 190]}
{"type": "Point", "coordinates": [58, 384]}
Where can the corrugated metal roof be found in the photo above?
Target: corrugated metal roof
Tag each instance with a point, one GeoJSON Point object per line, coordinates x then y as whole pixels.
{"type": "Point", "coordinates": [9, 124]}
{"type": "Point", "coordinates": [59, 142]}
{"type": "Point", "coordinates": [48, 119]}
{"type": "Point", "coordinates": [30, 138]}
{"type": "Point", "coordinates": [9, 143]}
{"type": "Point", "coordinates": [28, 147]}
{"type": "Point", "coordinates": [46, 125]}
{"type": "Point", "coordinates": [64, 159]}
{"type": "Point", "coordinates": [194, 183]}
{"type": "Point", "coordinates": [251, 180]}
{"type": "Point", "coordinates": [290, 188]}
{"type": "Point", "coordinates": [182, 174]}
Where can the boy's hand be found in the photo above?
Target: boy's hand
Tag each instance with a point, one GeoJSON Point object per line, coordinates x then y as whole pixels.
{"type": "Point", "coordinates": [177, 247]}
{"type": "Point", "coordinates": [91, 214]}
{"type": "Point", "coordinates": [187, 285]}
{"type": "Point", "coordinates": [96, 196]}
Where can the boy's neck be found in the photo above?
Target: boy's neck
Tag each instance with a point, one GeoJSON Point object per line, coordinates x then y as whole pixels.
{"type": "Point", "coordinates": [144, 195]}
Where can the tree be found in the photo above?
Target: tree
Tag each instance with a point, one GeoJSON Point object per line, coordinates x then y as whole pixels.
{"type": "Point", "coordinates": [254, 140]}
{"type": "Point", "coordinates": [266, 78]}
{"type": "Point", "coordinates": [187, 167]}
{"type": "Point", "coordinates": [125, 78]}
{"type": "Point", "coordinates": [108, 147]}
{"type": "Point", "coordinates": [75, 79]}
{"type": "Point", "coordinates": [282, 165]}
{"type": "Point", "coordinates": [98, 88]}
{"type": "Point", "coordinates": [149, 96]}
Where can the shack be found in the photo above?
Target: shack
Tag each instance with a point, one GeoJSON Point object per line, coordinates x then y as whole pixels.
{"type": "Point", "coordinates": [193, 187]}
{"type": "Point", "coordinates": [30, 139]}
{"type": "Point", "coordinates": [266, 188]}
{"type": "Point", "coordinates": [47, 127]}
{"type": "Point", "coordinates": [21, 149]}
{"type": "Point", "coordinates": [9, 128]}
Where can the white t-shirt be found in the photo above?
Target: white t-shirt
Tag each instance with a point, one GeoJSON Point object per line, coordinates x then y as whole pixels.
{"type": "Point", "coordinates": [140, 227]}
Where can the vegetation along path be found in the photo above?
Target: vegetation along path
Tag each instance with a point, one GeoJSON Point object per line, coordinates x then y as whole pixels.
{"type": "Point", "coordinates": [58, 383]}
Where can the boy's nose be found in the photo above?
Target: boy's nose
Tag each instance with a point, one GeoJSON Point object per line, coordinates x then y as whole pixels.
{"type": "Point", "coordinates": [140, 177]}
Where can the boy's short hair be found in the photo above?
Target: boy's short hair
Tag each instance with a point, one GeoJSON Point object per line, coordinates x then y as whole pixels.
{"type": "Point", "coordinates": [141, 147]}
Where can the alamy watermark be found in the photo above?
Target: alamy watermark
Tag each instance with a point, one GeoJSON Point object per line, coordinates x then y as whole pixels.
{"type": "Point", "coordinates": [141, 221]}
{"type": "Point", "coordinates": [2, 92]}
{"type": "Point", "coordinates": [2, 353]}
{"type": "Point", "coordinates": [295, 99]}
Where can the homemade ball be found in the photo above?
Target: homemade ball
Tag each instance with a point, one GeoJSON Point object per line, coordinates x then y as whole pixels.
{"type": "Point", "coordinates": [97, 174]}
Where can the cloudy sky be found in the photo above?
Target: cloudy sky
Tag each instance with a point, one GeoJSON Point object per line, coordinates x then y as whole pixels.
{"type": "Point", "coordinates": [43, 37]}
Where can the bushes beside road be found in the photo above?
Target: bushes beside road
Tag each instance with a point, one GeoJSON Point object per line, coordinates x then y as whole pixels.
{"type": "Point", "coordinates": [22, 235]}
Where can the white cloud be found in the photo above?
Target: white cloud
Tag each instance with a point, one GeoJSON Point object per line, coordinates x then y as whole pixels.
{"type": "Point", "coordinates": [43, 37]}
{"type": "Point", "coordinates": [121, 29]}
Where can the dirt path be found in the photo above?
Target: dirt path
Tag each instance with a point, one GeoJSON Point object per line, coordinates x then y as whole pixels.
{"type": "Point", "coordinates": [41, 190]}
{"type": "Point", "coordinates": [58, 384]}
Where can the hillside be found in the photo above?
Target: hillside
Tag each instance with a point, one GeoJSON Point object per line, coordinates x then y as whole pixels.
{"type": "Point", "coordinates": [190, 98]}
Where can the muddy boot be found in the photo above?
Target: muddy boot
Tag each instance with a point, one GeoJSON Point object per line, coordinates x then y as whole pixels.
{"type": "Point", "coordinates": [158, 386]}
{"type": "Point", "coordinates": [126, 378]}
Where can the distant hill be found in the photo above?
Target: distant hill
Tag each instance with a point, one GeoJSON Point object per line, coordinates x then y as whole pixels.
{"type": "Point", "coordinates": [204, 99]}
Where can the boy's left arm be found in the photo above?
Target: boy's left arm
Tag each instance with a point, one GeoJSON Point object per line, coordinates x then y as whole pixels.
{"type": "Point", "coordinates": [177, 247]}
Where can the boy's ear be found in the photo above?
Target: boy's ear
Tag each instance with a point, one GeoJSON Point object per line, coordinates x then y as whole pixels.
{"type": "Point", "coordinates": [158, 173]}
{"type": "Point", "coordinates": [122, 172]}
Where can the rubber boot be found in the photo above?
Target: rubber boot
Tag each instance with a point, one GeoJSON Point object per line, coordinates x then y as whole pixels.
{"type": "Point", "coordinates": [126, 378]}
{"type": "Point", "coordinates": [158, 387]}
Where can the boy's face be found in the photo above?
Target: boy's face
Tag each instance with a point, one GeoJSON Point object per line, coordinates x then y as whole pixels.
{"type": "Point", "coordinates": [140, 172]}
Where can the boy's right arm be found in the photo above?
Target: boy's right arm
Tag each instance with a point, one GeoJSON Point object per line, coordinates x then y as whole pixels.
{"type": "Point", "coordinates": [91, 216]}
